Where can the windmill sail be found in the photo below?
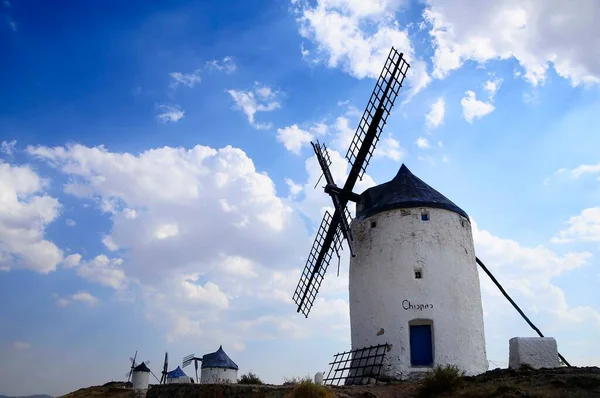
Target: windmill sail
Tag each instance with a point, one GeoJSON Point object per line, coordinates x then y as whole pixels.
{"type": "Point", "coordinates": [334, 229]}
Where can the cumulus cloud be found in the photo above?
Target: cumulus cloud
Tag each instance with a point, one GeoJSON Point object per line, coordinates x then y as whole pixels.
{"type": "Point", "coordinates": [26, 212]}
{"type": "Point", "coordinates": [538, 34]}
{"type": "Point", "coordinates": [104, 271]}
{"type": "Point", "coordinates": [356, 37]}
{"type": "Point", "coordinates": [435, 117]}
{"type": "Point", "coordinates": [422, 143]}
{"type": "Point", "coordinates": [70, 222]}
{"type": "Point", "coordinates": [583, 227]}
{"type": "Point", "coordinates": [390, 148]}
{"type": "Point", "coordinates": [528, 274]}
{"type": "Point", "coordinates": [170, 113]}
{"type": "Point", "coordinates": [261, 99]}
{"type": "Point", "coordinates": [295, 189]}
{"type": "Point", "coordinates": [585, 169]}
{"type": "Point", "coordinates": [294, 138]}
{"type": "Point", "coordinates": [474, 108]}
{"type": "Point", "coordinates": [191, 226]}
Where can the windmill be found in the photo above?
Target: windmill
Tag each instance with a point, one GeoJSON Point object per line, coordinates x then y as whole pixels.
{"type": "Point", "coordinates": [412, 264]}
{"type": "Point", "coordinates": [133, 365]}
{"type": "Point", "coordinates": [189, 359]}
{"type": "Point", "coordinates": [163, 378]}
{"type": "Point", "coordinates": [333, 230]}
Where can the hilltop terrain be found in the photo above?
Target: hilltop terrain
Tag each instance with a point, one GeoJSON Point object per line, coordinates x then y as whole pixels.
{"type": "Point", "coordinates": [498, 383]}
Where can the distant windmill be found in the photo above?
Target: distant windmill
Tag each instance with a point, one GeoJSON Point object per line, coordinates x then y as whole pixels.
{"type": "Point", "coordinates": [188, 360]}
{"type": "Point", "coordinates": [134, 365]}
{"type": "Point", "coordinates": [163, 378]}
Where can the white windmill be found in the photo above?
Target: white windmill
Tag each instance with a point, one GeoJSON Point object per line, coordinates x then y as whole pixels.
{"type": "Point", "coordinates": [415, 299]}
{"type": "Point", "coordinates": [414, 287]}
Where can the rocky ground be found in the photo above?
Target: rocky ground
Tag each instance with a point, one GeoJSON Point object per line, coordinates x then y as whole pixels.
{"type": "Point", "coordinates": [550, 383]}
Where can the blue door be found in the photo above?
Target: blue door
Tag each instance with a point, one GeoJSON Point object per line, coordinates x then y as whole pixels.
{"type": "Point", "coordinates": [421, 346]}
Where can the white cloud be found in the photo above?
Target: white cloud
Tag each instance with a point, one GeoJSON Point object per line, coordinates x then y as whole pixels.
{"type": "Point", "coordinates": [226, 65]}
{"type": "Point", "coordinates": [81, 296]}
{"type": "Point", "coordinates": [262, 99]}
{"type": "Point", "coordinates": [527, 274]}
{"type": "Point", "coordinates": [20, 345]}
{"type": "Point", "coordinates": [538, 34]}
{"type": "Point", "coordinates": [343, 133]}
{"type": "Point", "coordinates": [440, 144]}
{"type": "Point", "coordinates": [109, 243]}
{"type": "Point", "coordinates": [25, 213]}
{"type": "Point", "coordinates": [584, 227]}
{"type": "Point", "coordinates": [186, 79]}
{"type": "Point", "coordinates": [585, 169]}
{"type": "Point", "coordinates": [70, 222]}
{"type": "Point", "coordinates": [295, 189]}
{"type": "Point", "coordinates": [72, 260]}
{"type": "Point", "coordinates": [474, 108]}
{"type": "Point", "coordinates": [435, 117]}
{"type": "Point", "coordinates": [86, 298]}
{"type": "Point", "coordinates": [103, 271]}
{"type": "Point", "coordinates": [208, 236]}
{"type": "Point", "coordinates": [491, 87]}
{"type": "Point", "coordinates": [356, 37]}
{"type": "Point", "coordinates": [422, 143]}
{"type": "Point", "coordinates": [170, 113]}
{"type": "Point", "coordinates": [294, 138]}
{"type": "Point", "coordinates": [390, 148]}
{"type": "Point", "coordinates": [8, 147]}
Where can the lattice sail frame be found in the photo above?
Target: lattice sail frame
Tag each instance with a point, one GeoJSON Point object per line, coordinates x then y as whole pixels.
{"type": "Point", "coordinates": [386, 75]}
{"type": "Point", "coordinates": [361, 149]}
{"type": "Point", "coordinates": [309, 284]}
{"type": "Point", "coordinates": [358, 366]}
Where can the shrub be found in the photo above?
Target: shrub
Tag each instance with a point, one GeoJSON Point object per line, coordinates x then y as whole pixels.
{"type": "Point", "coordinates": [307, 389]}
{"type": "Point", "coordinates": [296, 380]}
{"type": "Point", "coordinates": [250, 378]}
{"type": "Point", "coordinates": [442, 379]}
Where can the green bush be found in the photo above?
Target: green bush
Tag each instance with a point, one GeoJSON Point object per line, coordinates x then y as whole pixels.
{"type": "Point", "coordinates": [250, 378]}
{"type": "Point", "coordinates": [305, 388]}
{"type": "Point", "coordinates": [442, 379]}
{"type": "Point", "coordinates": [295, 380]}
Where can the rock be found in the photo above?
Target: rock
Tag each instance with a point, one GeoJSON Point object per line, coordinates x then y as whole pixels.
{"type": "Point", "coordinates": [537, 352]}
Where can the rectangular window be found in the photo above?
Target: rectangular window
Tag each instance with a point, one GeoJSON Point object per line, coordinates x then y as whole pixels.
{"type": "Point", "coordinates": [424, 216]}
{"type": "Point", "coordinates": [418, 274]}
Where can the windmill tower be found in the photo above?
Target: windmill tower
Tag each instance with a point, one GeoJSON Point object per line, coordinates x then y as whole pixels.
{"type": "Point", "coordinates": [410, 246]}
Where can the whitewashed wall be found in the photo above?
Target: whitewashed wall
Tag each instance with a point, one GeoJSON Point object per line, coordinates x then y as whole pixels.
{"type": "Point", "coordinates": [140, 380]}
{"type": "Point", "coordinates": [218, 376]}
{"type": "Point", "coordinates": [385, 296]}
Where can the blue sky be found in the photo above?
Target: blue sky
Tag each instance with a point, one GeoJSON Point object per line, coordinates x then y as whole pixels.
{"type": "Point", "coordinates": [157, 178]}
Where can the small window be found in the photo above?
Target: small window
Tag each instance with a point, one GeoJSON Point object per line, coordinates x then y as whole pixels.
{"type": "Point", "coordinates": [424, 216]}
{"type": "Point", "coordinates": [373, 224]}
{"type": "Point", "coordinates": [418, 274]}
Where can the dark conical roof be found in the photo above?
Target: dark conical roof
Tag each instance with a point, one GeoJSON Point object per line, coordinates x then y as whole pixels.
{"type": "Point", "coordinates": [176, 373]}
{"type": "Point", "coordinates": [218, 359]}
{"type": "Point", "coordinates": [404, 191]}
{"type": "Point", "coordinates": [141, 368]}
